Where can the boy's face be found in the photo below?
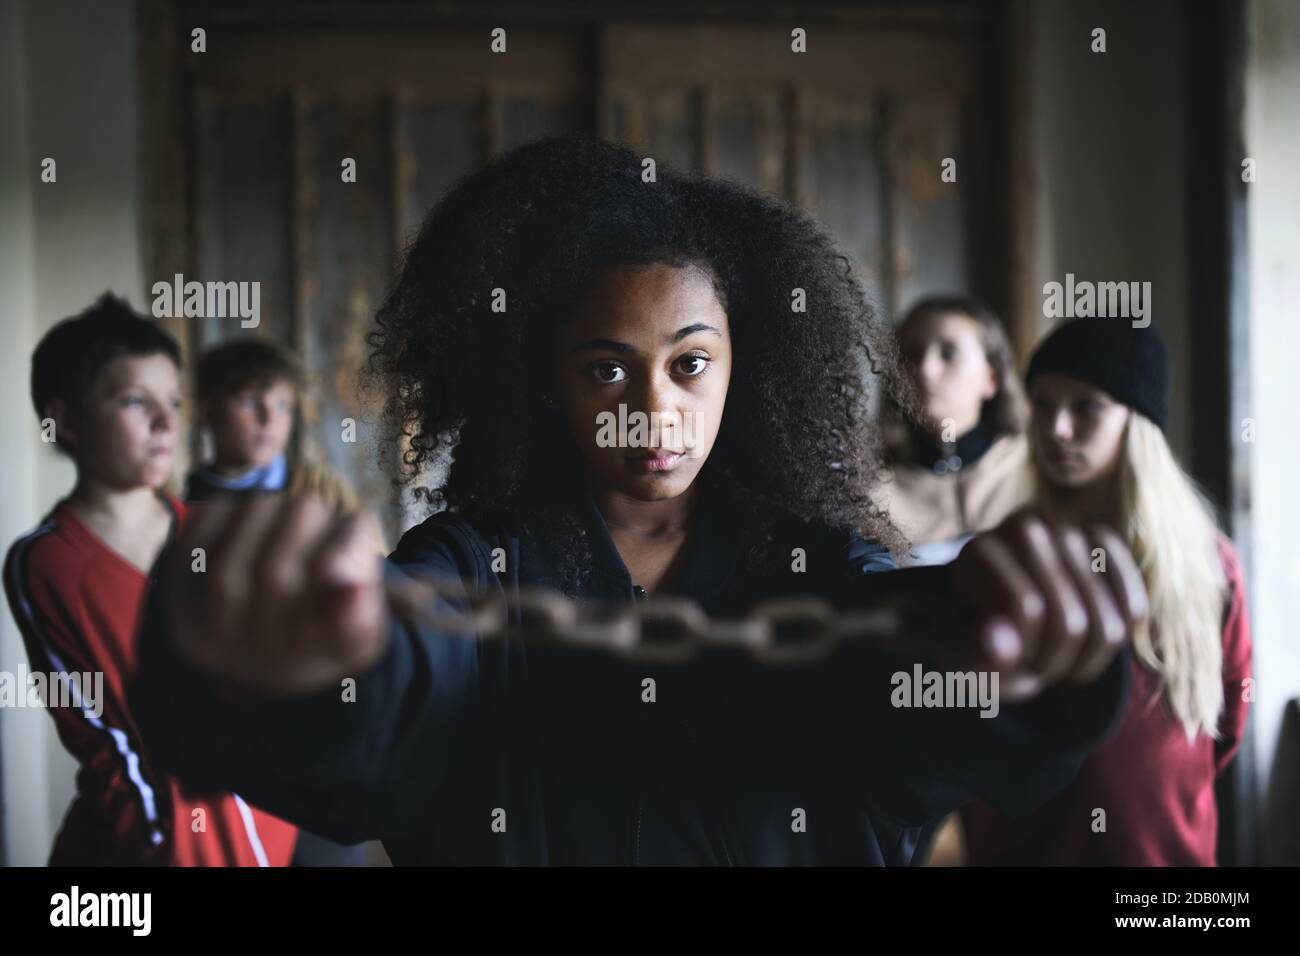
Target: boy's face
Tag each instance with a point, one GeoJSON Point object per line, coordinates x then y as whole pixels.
{"type": "Point", "coordinates": [125, 434]}
{"type": "Point", "coordinates": [656, 340]}
{"type": "Point", "coordinates": [251, 427]}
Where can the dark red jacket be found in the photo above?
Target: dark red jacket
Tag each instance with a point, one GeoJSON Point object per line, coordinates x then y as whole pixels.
{"type": "Point", "coordinates": [77, 603]}
{"type": "Point", "coordinates": [1155, 786]}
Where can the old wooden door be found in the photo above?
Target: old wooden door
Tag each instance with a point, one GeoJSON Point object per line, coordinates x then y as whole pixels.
{"type": "Point", "coordinates": [856, 130]}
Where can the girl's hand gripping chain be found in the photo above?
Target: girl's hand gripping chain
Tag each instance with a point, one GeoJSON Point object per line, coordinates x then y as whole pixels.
{"type": "Point", "coordinates": [1048, 606]}
{"type": "Point", "coordinates": [291, 598]}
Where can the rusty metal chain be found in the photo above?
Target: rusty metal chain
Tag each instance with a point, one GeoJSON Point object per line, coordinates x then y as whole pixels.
{"type": "Point", "coordinates": [656, 630]}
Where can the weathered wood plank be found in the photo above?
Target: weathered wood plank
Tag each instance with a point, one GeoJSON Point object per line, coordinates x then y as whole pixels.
{"type": "Point", "coordinates": [243, 206]}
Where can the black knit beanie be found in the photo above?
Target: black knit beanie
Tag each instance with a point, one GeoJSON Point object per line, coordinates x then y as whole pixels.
{"type": "Point", "coordinates": [1129, 364]}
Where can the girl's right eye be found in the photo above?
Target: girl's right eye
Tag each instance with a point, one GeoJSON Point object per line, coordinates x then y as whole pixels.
{"type": "Point", "coordinates": [607, 373]}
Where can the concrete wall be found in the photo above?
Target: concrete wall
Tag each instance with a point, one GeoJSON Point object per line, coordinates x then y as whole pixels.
{"type": "Point", "coordinates": [67, 91]}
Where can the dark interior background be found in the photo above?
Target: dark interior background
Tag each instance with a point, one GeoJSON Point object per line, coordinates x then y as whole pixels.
{"type": "Point", "coordinates": [1116, 166]}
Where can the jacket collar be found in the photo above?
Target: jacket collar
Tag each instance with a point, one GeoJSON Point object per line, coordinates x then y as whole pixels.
{"type": "Point", "coordinates": [707, 561]}
{"type": "Point", "coordinates": [937, 455]}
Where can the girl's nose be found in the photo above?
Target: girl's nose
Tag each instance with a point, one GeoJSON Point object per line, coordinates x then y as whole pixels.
{"type": "Point", "coordinates": [1063, 426]}
{"type": "Point", "coordinates": [931, 367]}
{"type": "Point", "coordinates": [655, 394]}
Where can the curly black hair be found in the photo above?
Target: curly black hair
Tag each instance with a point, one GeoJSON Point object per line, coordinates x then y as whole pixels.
{"type": "Point", "coordinates": [539, 223]}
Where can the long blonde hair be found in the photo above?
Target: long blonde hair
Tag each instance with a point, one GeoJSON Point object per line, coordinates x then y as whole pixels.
{"type": "Point", "coordinates": [1170, 528]}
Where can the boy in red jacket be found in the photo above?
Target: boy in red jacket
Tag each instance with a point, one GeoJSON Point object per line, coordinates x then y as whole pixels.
{"type": "Point", "coordinates": [106, 387]}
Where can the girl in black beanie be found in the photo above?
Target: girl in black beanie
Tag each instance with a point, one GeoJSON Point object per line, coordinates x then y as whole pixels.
{"type": "Point", "coordinates": [1099, 394]}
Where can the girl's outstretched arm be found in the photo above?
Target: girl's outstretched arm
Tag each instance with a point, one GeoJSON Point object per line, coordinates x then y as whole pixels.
{"type": "Point", "coordinates": [1010, 666]}
{"type": "Point", "coordinates": [270, 665]}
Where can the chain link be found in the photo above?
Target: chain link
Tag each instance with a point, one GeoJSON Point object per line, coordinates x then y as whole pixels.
{"type": "Point", "coordinates": [658, 629]}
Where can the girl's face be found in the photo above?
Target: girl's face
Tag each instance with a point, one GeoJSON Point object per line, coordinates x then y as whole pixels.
{"type": "Point", "coordinates": [1077, 431]}
{"type": "Point", "coordinates": [945, 354]}
{"type": "Point", "coordinates": [126, 432]}
{"type": "Point", "coordinates": [644, 370]}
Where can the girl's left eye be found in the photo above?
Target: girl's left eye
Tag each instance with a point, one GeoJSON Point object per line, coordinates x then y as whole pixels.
{"type": "Point", "coordinates": [695, 370]}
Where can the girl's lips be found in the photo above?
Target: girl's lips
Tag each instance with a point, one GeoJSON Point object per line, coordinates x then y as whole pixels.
{"type": "Point", "coordinates": [661, 461]}
{"type": "Point", "coordinates": [1060, 459]}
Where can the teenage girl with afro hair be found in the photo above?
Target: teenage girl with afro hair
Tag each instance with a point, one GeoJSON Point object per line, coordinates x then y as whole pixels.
{"type": "Point", "coordinates": [549, 300]}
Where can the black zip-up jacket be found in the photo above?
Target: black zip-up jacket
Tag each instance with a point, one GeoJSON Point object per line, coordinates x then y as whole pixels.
{"type": "Point", "coordinates": [481, 751]}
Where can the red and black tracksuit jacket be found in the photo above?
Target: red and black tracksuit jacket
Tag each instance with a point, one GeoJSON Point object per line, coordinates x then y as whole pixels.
{"type": "Point", "coordinates": [77, 603]}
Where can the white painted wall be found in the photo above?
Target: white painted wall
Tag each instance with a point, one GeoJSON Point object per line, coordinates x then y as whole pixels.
{"type": "Point", "coordinates": [67, 91]}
